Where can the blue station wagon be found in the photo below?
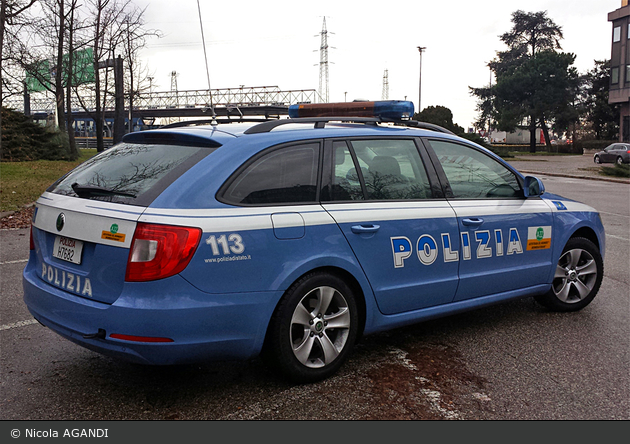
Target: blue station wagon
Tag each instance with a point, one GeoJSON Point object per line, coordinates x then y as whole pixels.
{"type": "Point", "coordinates": [294, 237]}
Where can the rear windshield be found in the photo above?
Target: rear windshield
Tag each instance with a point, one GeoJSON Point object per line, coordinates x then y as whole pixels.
{"type": "Point", "coordinates": [129, 173]}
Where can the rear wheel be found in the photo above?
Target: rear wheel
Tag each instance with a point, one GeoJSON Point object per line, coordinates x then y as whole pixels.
{"type": "Point", "coordinates": [313, 328]}
{"type": "Point", "coordinates": [619, 160]}
{"type": "Point", "coordinates": [577, 278]}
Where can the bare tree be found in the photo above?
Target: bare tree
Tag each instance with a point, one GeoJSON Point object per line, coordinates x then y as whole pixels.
{"type": "Point", "coordinates": [10, 11]}
{"type": "Point", "coordinates": [41, 50]}
{"type": "Point", "coordinates": [47, 49]}
{"type": "Point", "coordinates": [135, 36]}
{"type": "Point", "coordinates": [73, 26]}
{"type": "Point", "coordinates": [108, 35]}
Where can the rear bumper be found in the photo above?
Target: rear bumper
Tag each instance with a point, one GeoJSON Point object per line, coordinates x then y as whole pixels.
{"type": "Point", "coordinates": [202, 326]}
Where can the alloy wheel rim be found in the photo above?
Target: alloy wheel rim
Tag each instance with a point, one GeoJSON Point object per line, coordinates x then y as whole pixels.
{"type": "Point", "coordinates": [575, 277]}
{"type": "Point", "coordinates": [320, 326]}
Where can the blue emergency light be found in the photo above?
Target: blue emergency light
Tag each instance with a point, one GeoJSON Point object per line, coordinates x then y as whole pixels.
{"type": "Point", "coordinates": [386, 109]}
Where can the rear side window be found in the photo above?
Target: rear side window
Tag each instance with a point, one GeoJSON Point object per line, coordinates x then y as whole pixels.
{"type": "Point", "coordinates": [129, 173]}
{"type": "Point", "coordinates": [284, 175]}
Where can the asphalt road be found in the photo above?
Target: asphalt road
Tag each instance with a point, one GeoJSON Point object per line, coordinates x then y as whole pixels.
{"type": "Point", "coordinates": [511, 361]}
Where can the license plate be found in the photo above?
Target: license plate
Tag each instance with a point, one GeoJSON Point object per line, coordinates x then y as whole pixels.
{"type": "Point", "coordinates": [68, 249]}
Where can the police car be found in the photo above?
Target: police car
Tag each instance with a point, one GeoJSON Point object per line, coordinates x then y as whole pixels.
{"type": "Point", "coordinates": [294, 237]}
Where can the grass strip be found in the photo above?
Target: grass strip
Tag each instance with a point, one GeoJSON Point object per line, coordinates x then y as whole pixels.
{"type": "Point", "coordinates": [23, 182]}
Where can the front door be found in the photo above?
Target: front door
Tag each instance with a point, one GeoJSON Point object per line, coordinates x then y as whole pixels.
{"type": "Point", "coordinates": [505, 239]}
{"type": "Point", "coordinates": [405, 239]}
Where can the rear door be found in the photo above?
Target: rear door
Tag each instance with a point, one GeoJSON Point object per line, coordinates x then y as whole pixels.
{"type": "Point", "coordinates": [389, 208]}
{"type": "Point", "coordinates": [85, 222]}
{"type": "Point", "coordinates": [505, 239]}
{"type": "Point", "coordinates": [620, 150]}
{"type": "Point", "coordinates": [82, 246]}
{"type": "Point", "coordinates": [609, 154]}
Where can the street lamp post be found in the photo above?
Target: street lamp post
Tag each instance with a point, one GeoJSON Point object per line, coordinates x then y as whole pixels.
{"type": "Point", "coordinates": [420, 49]}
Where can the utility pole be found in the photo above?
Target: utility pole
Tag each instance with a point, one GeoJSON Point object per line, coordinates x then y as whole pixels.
{"type": "Point", "coordinates": [385, 93]}
{"type": "Point", "coordinates": [323, 63]}
{"type": "Point", "coordinates": [119, 110]}
{"type": "Point", "coordinates": [175, 90]}
{"type": "Point", "coordinates": [420, 49]}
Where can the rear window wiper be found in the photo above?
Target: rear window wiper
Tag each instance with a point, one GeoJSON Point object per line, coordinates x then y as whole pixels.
{"type": "Point", "coordinates": [86, 191]}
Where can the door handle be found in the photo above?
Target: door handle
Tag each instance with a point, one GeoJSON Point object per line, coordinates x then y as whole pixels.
{"type": "Point", "coordinates": [362, 229]}
{"type": "Point", "coordinates": [472, 221]}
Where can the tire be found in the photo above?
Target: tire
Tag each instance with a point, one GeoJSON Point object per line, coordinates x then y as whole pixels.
{"type": "Point", "coordinates": [313, 329]}
{"type": "Point", "coordinates": [577, 278]}
{"type": "Point", "coordinates": [597, 160]}
{"type": "Point", "coordinates": [619, 160]}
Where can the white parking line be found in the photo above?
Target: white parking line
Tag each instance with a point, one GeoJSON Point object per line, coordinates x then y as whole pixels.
{"type": "Point", "coordinates": [19, 261]}
{"type": "Point", "coordinates": [614, 214]}
{"type": "Point", "coordinates": [618, 237]}
{"type": "Point", "coordinates": [18, 324]}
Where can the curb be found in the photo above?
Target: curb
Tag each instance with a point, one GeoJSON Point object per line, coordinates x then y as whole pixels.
{"type": "Point", "coordinates": [575, 176]}
{"type": "Point", "coordinates": [4, 214]}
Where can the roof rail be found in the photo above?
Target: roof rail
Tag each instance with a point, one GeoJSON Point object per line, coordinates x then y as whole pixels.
{"type": "Point", "coordinates": [210, 122]}
{"type": "Point", "coordinates": [320, 122]}
{"type": "Point", "coordinates": [429, 126]}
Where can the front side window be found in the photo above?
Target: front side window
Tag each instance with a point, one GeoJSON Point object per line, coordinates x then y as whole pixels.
{"type": "Point", "coordinates": [280, 176]}
{"type": "Point", "coordinates": [473, 174]}
{"type": "Point", "coordinates": [346, 182]}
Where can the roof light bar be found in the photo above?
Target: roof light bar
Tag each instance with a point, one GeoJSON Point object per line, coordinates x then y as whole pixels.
{"type": "Point", "coordinates": [386, 109]}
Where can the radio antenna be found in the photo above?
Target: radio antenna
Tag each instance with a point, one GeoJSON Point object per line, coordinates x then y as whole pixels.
{"type": "Point", "coordinates": [205, 54]}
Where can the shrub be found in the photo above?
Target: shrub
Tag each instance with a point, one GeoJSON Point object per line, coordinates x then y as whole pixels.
{"type": "Point", "coordinates": [616, 171]}
{"type": "Point", "coordinates": [474, 137]}
{"type": "Point", "coordinates": [597, 145]}
{"type": "Point", "coordinates": [569, 148]}
{"type": "Point", "coordinates": [23, 139]}
{"type": "Point", "coordinates": [501, 151]}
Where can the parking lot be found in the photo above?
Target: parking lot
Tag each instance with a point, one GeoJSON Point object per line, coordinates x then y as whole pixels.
{"type": "Point", "coordinates": [511, 361]}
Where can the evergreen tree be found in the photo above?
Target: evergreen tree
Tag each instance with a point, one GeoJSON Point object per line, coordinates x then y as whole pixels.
{"type": "Point", "coordinates": [439, 115]}
{"type": "Point", "coordinates": [533, 80]}
{"type": "Point", "coordinates": [603, 116]}
{"type": "Point", "coordinates": [22, 139]}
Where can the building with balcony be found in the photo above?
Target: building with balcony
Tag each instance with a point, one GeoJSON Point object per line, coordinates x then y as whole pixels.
{"type": "Point", "coordinates": [620, 67]}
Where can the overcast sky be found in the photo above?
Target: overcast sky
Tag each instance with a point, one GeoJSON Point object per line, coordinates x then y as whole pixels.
{"type": "Point", "coordinates": [276, 43]}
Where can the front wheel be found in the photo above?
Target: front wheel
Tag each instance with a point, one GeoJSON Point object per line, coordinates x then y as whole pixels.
{"type": "Point", "coordinates": [313, 328]}
{"type": "Point", "coordinates": [597, 160]}
{"type": "Point", "coordinates": [577, 278]}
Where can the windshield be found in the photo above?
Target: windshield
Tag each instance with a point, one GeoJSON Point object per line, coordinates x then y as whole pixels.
{"type": "Point", "coordinates": [129, 173]}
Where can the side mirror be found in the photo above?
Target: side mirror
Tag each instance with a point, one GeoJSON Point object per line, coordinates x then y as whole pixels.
{"type": "Point", "coordinates": [533, 187]}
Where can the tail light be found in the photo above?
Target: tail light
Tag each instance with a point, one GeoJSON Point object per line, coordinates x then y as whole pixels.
{"type": "Point", "coordinates": [32, 246]}
{"type": "Point", "coordinates": [160, 251]}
